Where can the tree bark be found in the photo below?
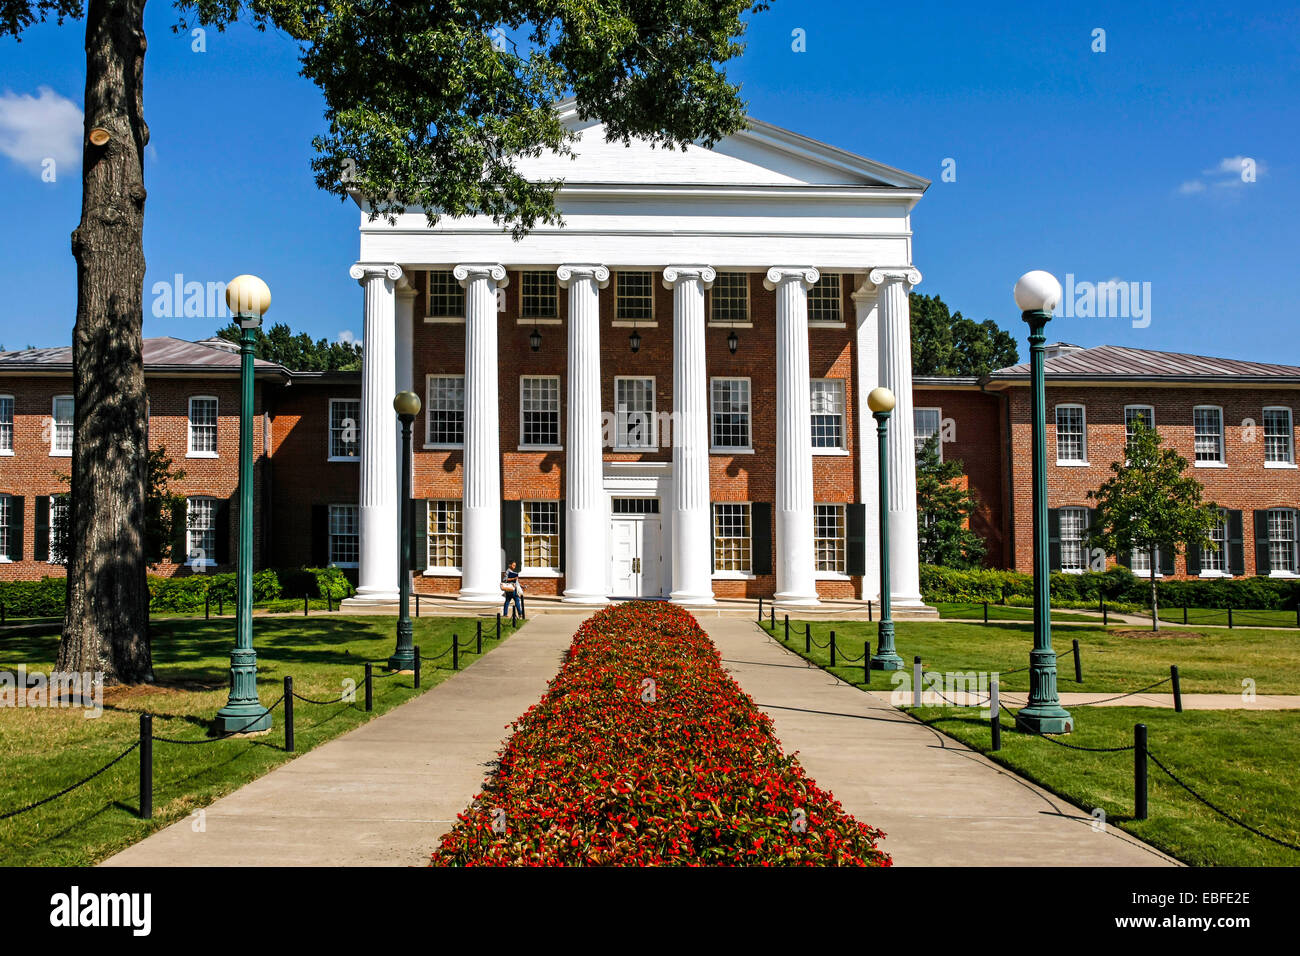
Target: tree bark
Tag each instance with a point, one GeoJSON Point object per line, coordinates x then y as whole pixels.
{"type": "Point", "coordinates": [1155, 599]}
{"type": "Point", "coordinates": [106, 625]}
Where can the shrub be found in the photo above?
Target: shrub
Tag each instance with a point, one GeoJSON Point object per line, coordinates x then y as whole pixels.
{"type": "Point", "coordinates": [599, 773]}
{"type": "Point", "coordinates": [187, 593]}
{"type": "Point", "coordinates": [314, 582]}
{"type": "Point", "coordinates": [43, 598]}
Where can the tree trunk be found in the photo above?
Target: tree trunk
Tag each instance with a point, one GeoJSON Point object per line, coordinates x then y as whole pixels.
{"type": "Point", "coordinates": [1155, 599]}
{"type": "Point", "coordinates": [106, 625]}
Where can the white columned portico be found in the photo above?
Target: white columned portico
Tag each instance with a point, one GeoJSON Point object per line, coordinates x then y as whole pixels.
{"type": "Point", "coordinates": [481, 471]}
{"type": "Point", "coordinates": [692, 561]}
{"type": "Point", "coordinates": [866, 303]}
{"type": "Point", "coordinates": [795, 571]}
{"type": "Point", "coordinates": [894, 284]}
{"type": "Point", "coordinates": [377, 567]}
{"type": "Point", "coordinates": [586, 520]}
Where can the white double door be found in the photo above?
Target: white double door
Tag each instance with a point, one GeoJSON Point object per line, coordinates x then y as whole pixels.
{"type": "Point", "coordinates": [636, 556]}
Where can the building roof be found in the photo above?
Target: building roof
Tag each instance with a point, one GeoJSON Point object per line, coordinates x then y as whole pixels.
{"type": "Point", "coordinates": [1113, 363]}
{"type": "Point", "coordinates": [164, 354]}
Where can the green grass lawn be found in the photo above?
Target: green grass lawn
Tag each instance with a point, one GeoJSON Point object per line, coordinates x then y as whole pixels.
{"type": "Point", "coordinates": [44, 750]}
{"type": "Point", "coordinates": [1000, 612]}
{"type": "Point", "coordinates": [1214, 615]}
{"type": "Point", "coordinates": [1211, 661]}
{"type": "Point", "coordinates": [1242, 761]}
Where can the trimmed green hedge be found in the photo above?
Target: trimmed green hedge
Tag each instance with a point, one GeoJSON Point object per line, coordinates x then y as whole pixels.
{"type": "Point", "coordinates": [1117, 585]}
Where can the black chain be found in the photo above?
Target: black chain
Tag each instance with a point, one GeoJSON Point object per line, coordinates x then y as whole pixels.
{"type": "Point", "coordinates": [1093, 703]}
{"type": "Point", "coordinates": [336, 700]}
{"type": "Point", "coordinates": [67, 790]}
{"type": "Point", "coordinates": [1060, 743]}
{"type": "Point", "coordinates": [225, 736]}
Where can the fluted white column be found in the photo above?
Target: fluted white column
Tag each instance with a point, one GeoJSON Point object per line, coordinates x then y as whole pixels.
{"type": "Point", "coordinates": [795, 563]}
{"type": "Point", "coordinates": [403, 351]}
{"type": "Point", "coordinates": [586, 521]}
{"type": "Point", "coordinates": [691, 520]}
{"type": "Point", "coordinates": [378, 553]}
{"type": "Point", "coordinates": [481, 472]}
{"type": "Point", "coordinates": [867, 308]}
{"type": "Point", "coordinates": [894, 284]}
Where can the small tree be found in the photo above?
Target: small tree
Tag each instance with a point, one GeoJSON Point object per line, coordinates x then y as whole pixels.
{"type": "Point", "coordinates": [1150, 504]}
{"type": "Point", "coordinates": [943, 510]}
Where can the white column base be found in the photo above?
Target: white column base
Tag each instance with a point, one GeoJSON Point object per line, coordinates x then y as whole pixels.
{"type": "Point", "coordinates": [803, 600]}
{"type": "Point", "coordinates": [686, 597]}
{"type": "Point", "coordinates": [575, 597]}
{"type": "Point", "coordinates": [496, 598]}
{"type": "Point", "coordinates": [369, 597]}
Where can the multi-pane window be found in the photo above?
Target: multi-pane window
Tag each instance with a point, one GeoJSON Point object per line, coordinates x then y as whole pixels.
{"type": "Point", "coordinates": [1140, 562]}
{"type": "Point", "coordinates": [345, 535]}
{"type": "Point", "coordinates": [200, 531]}
{"type": "Point", "coordinates": [634, 299]}
{"type": "Point", "coordinates": [1070, 442]}
{"type": "Point", "coordinates": [6, 424]}
{"type": "Point", "coordinates": [828, 537]}
{"type": "Point", "coordinates": [1278, 444]}
{"type": "Point", "coordinates": [203, 425]}
{"type": "Point", "coordinates": [539, 410]}
{"type": "Point", "coordinates": [634, 506]}
{"type": "Point", "coordinates": [1132, 415]}
{"type": "Point", "coordinates": [5, 510]}
{"type": "Point", "coordinates": [444, 534]}
{"type": "Point", "coordinates": [1215, 559]}
{"type": "Point", "coordinates": [538, 296]}
{"type": "Point", "coordinates": [729, 298]}
{"type": "Point", "coordinates": [1074, 524]}
{"type": "Point", "coordinates": [825, 300]}
{"type": "Point", "coordinates": [444, 298]}
{"type": "Point", "coordinates": [61, 439]}
{"type": "Point", "coordinates": [729, 398]}
{"type": "Point", "coordinates": [541, 534]}
{"type": "Point", "coordinates": [926, 423]}
{"type": "Point", "coordinates": [1282, 540]}
{"type": "Point", "coordinates": [634, 412]}
{"type": "Point", "coordinates": [731, 538]}
{"type": "Point", "coordinates": [446, 406]}
{"type": "Point", "coordinates": [345, 428]}
{"type": "Point", "coordinates": [827, 400]}
{"type": "Point", "coordinates": [1207, 425]}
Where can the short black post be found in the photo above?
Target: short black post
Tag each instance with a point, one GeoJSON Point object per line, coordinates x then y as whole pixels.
{"type": "Point", "coordinates": [760, 609]}
{"type": "Point", "coordinates": [417, 603]}
{"type": "Point", "coordinates": [771, 611]}
{"type": "Point", "coordinates": [1184, 613]}
{"type": "Point", "coordinates": [995, 708]}
{"type": "Point", "coordinates": [869, 617]}
{"type": "Point", "coordinates": [455, 651]}
{"type": "Point", "coordinates": [207, 604]}
{"type": "Point", "coordinates": [514, 616]}
{"type": "Point", "coordinates": [995, 725]}
{"type": "Point", "coordinates": [146, 766]}
{"type": "Point", "coordinates": [832, 648]}
{"type": "Point", "coordinates": [1105, 614]}
{"type": "Point", "coordinates": [986, 612]}
{"type": "Point", "coordinates": [807, 638]}
{"type": "Point", "coordinates": [866, 662]}
{"type": "Point", "coordinates": [329, 600]}
{"type": "Point", "coordinates": [304, 603]}
{"type": "Point", "coordinates": [917, 696]}
{"type": "Point", "coordinates": [787, 627]}
{"type": "Point", "coordinates": [1139, 771]}
{"type": "Point", "coordinates": [1078, 664]}
{"type": "Point", "coordinates": [1178, 688]}
{"type": "Point", "coordinates": [417, 666]}
{"type": "Point", "coordinates": [478, 639]}
{"type": "Point", "coordinates": [1101, 602]}
{"type": "Point", "coordinates": [1230, 617]}
{"type": "Point", "coordinates": [370, 688]}
{"type": "Point", "coordinates": [288, 714]}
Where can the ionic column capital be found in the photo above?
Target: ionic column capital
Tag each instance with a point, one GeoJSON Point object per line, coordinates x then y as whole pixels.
{"type": "Point", "coordinates": [361, 271]}
{"type": "Point", "coordinates": [466, 273]}
{"type": "Point", "coordinates": [909, 274]}
{"type": "Point", "coordinates": [569, 272]}
{"type": "Point", "coordinates": [676, 274]}
{"type": "Point", "coordinates": [781, 274]}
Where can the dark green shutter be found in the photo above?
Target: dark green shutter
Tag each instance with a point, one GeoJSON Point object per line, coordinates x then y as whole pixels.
{"type": "Point", "coordinates": [15, 549]}
{"type": "Point", "coordinates": [41, 548]}
{"type": "Point", "coordinates": [1263, 563]}
{"type": "Point", "coordinates": [180, 514]}
{"type": "Point", "coordinates": [760, 545]}
{"type": "Point", "coordinates": [1054, 538]}
{"type": "Point", "coordinates": [511, 521]}
{"type": "Point", "coordinates": [419, 534]}
{"type": "Point", "coordinates": [855, 539]}
{"type": "Point", "coordinates": [1236, 546]}
{"type": "Point", "coordinates": [1194, 559]}
{"type": "Point", "coordinates": [1089, 516]}
{"type": "Point", "coordinates": [320, 535]}
{"type": "Point", "coordinates": [223, 535]}
{"type": "Point", "coordinates": [1167, 559]}
{"type": "Point", "coordinates": [560, 513]}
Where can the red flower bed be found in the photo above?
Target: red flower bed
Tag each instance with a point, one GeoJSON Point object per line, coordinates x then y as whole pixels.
{"type": "Point", "coordinates": [644, 752]}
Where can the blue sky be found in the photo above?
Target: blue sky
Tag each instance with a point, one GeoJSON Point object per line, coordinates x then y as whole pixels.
{"type": "Point", "coordinates": [1124, 164]}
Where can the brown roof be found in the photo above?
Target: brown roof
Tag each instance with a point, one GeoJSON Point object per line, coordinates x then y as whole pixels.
{"type": "Point", "coordinates": [163, 354]}
{"type": "Point", "coordinates": [1115, 363]}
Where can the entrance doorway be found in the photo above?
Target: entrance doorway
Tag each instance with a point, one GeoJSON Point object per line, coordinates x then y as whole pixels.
{"type": "Point", "coordinates": [635, 548]}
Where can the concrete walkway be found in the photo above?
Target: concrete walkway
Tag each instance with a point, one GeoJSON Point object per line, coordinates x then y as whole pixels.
{"type": "Point", "coordinates": [939, 802]}
{"type": "Point", "coordinates": [382, 794]}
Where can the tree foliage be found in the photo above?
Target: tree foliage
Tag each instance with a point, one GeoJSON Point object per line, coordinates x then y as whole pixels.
{"type": "Point", "coordinates": [951, 344]}
{"type": "Point", "coordinates": [299, 353]}
{"type": "Point", "coordinates": [943, 512]}
{"type": "Point", "coordinates": [1151, 504]}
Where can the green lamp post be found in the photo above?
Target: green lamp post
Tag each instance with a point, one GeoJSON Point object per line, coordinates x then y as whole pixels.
{"type": "Point", "coordinates": [1037, 293]}
{"type": "Point", "coordinates": [407, 406]}
{"type": "Point", "coordinates": [881, 402]}
{"type": "Point", "coordinates": [248, 298]}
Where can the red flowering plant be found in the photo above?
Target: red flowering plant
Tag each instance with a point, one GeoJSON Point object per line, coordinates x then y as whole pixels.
{"type": "Point", "coordinates": [644, 752]}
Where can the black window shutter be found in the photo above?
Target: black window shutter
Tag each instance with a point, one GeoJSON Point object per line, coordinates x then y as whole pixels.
{"type": "Point", "coordinates": [1236, 546]}
{"type": "Point", "coordinates": [1194, 559]}
{"type": "Point", "coordinates": [1167, 560]}
{"type": "Point", "coordinates": [1054, 539]}
{"type": "Point", "coordinates": [41, 548]}
{"type": "Point", "coordinates": [855, 539]}
{"type": "Point", "coordinates": [15, 549]}
{"type": "Point", "coordinates": [419, 534]}
{"type": "Point", "coordinates": [1089, 516]}
{"type": "Point", "coordinates": [511, 520]}
{"type": "Point", "coordinates": [223, 534]}
{"type": "Point", "coordinates": [560, 513]}
{"type": "Point", "coordinates": [760, 545]}
{"type": "Point", "coordinates": [320, 535]}
{"type": "Point", "coordinates": [1263, 564]}
{"type": "Point", "coordinates": [180, 514]}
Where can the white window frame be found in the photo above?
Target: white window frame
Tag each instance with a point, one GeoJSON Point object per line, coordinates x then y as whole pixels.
{"type": "Point", "coordinates": [428, 299]}
{"type": "Point", "coordinates": [1290, 462]}
{"type": "Point", "coordinates": [7, 448]}
{"type": "Point", "coordinates": [6, 515]}
{"type": "Point", "coordinates": [55, 450]}
{"type": "Point", "coordinates": [1221, 461]}
{"type": "Point", "coordinates": [330, 455]}
{"type": "Point", "coordinates": [652, 426]}
{"type": "Point", "coordinates": [1082, 461]}
{"type": "Point", "coordinates": [527, 570]}
{"type": "Point", "coordinates": [916, 436]}
{"type": "Point", "coordinates": [748, 447]}
{"type": "Point", "coordinates": [209, 559]}
{"type": "Point", "coordinates": [1295, 544]}
{"type": "Point", "coordinates": [619, 321]}
{"type": "Point", "coordinates": [190, 452]}
{"type": "Point", "coordinates": [1221, 555]}
{"type": "Point", "coordinates": [839, 542]}
{"type": "Point", "coordinates": [1150, 414]}
{"type": "Point", "coordinates": [843, 447]}
{"type": "Point", "coordinates": [1144, 572]}
{"type": "Point", "coordinates": [818, 292]}
{"type": "Point", "coordinates": [524, 318]}
{"type": "Point", "coordinates": [748, 321]}
{"type": "Point", "coordinates": [1082, 547]}
{"type": "Point", "coordinates": [734, 574]}
{"type": "Point", "coordinates": [432, 569]}
{"type": "Point", "coordinates": [331, 534]}
{"type": "Point", "coordinates": [428, 411]}
{"type": "Point", "coordinates": [540, 446]}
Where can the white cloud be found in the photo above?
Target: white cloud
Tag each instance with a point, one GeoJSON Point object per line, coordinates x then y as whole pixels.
{"type": "Point", "coordinates": [347, 337]}
{"type": "Point", "coordinates": [1192, 186]}
{"type": "Point", "coordinates": [1231, 172]}
{"type": "Point", "coordinates": [36, 128]}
